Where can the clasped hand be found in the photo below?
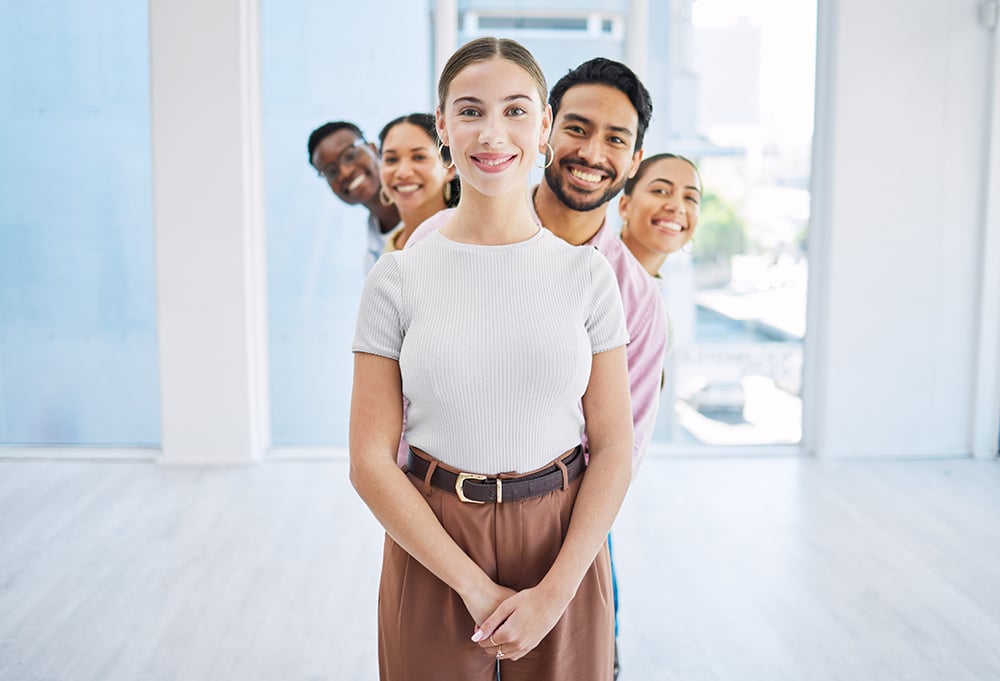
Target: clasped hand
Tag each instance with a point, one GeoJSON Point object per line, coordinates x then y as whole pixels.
{"type": "Point", "coordinates": [518, 621]}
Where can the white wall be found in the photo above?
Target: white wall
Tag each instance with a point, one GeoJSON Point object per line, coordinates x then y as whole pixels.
{"type": "Point", "coordinates": [899, 203]}
{"type": "Point", "coordinates": [209, 233]}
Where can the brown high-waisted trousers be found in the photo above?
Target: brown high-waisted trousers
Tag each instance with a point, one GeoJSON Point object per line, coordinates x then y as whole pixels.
{"type": "Point", "coordinates": [424, 629]}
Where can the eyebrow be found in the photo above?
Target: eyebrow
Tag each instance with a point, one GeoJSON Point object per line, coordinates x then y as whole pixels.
{"type": "Point", "coordinates": [359, 142]}
{"type": "Point", "coordinates": [476, 100]}
{"type": "Point", "coordinates": [393, 150]}
{"type": "Point", "coordinates": [663, 179]}
{"type": "Point", "coordinates": [622, 130]}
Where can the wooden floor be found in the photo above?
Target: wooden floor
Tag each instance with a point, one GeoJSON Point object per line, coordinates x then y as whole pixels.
{"type": "Point", "coordinates": [730, 570]}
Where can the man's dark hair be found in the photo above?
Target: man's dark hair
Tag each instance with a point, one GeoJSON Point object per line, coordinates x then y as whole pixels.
{"type": "Point", "coordinates": [327, 129]}
{"type": "Point", "coordinates": [601, 71]}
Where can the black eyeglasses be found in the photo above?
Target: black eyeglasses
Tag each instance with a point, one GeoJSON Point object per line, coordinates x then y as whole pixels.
{"type": "Point", "coordinates": [348, 156]}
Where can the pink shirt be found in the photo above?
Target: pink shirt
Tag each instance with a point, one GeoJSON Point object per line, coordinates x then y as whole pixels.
{"type": "Point", "coordinates": [645, 319]}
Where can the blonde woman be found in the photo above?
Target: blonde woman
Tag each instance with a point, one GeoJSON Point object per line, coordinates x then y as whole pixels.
{"type": "Point", "coordinates": [508, 343]}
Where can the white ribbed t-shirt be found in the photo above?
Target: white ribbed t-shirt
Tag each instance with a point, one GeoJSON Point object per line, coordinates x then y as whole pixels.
{"type": "Point", "coordinates": [494, 344]}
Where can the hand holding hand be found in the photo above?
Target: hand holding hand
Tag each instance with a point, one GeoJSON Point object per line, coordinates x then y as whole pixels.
{"type": "Point", "coordinates": [483, 602]}
{"type": "Point", "coordinates": [520, 622]}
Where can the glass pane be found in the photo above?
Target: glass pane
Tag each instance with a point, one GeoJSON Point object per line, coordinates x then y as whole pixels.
{"type": "Point", "coordinates": [487, 23]}
{"type": "Point", "coordinates": [739, 300]}
{"type": "Point", "coordinates": [78, 351]}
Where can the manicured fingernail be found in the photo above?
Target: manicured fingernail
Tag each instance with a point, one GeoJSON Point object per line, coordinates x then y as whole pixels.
{"type": "Point", "coordinates": [478, 636]}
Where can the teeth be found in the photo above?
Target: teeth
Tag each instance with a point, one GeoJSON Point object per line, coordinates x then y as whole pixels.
{"type": "Point", "coordinates": [493, 162]}
{"type": "Point", "coordinates": [669, 224]}
{"type": "Point", "coordinates": [405, 188]}
{"type": "Point", "coordinates": [355, 183]}
{"type": "Point", "coordinates": [586, 177]}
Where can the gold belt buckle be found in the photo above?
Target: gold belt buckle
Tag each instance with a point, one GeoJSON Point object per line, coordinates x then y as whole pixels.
{"type": "Point", "coordinates": [462, 477]}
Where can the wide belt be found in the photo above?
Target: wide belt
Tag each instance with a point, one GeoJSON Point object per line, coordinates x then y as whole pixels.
{"type": "Point", "coordinates": [481, 489]}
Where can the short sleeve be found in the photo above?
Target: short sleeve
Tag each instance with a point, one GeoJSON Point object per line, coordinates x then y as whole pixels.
{"type": "Point", "coordinates": [606, 317]}
{"type": "Point", "coordinates": [379, 328]}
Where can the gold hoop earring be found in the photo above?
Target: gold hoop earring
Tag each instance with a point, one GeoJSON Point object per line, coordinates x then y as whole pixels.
{"type": "Point", "coordinates": [384, 198]}
{"type": "Point", "coordinates": [550, 156]}
{"type": "Point", "coordinates": [441, 156]}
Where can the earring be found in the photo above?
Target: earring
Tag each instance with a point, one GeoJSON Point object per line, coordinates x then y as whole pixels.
{"type": "Point", "coordinates": [441, 149]}
{"type": "Point", "coordinates": [550, 156]}
{"type": "Point", "coordinates": [688, 247]}
{"type": "Point", "coordinates": [384, 198]}
{"type": "Point", "coordinates": [446, 192]}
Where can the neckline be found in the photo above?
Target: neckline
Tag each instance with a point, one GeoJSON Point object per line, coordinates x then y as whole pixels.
{"type": "Point", "coordinates": [464, 245]}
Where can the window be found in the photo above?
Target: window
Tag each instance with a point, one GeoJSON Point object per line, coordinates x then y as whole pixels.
{"type": "Point", "coordinates": [562, 26]}
{"type": "Point", "coordinates": [739, 299]}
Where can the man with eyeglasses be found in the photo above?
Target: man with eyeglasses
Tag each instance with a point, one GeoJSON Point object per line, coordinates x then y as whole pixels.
{"type": "Point", "coordinates": [350, 165]}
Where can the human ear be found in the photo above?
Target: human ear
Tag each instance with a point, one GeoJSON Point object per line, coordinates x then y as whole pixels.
{"type": "Point", "coordinates": [636, 160]}
{"type": "Point", "coordinates": [546, 129]}
{"type": "Point", "coordinates": [623, 207]}
{"type": "Point", "coordinates": [439, 124]}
